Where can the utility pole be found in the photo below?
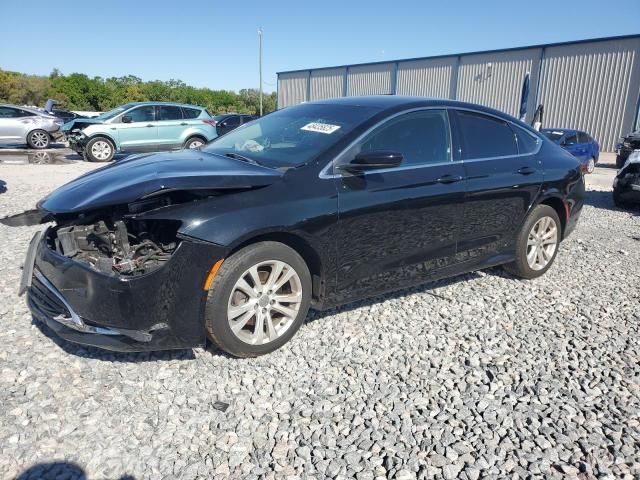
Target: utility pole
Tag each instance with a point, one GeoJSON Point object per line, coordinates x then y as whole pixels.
{"type": "Point", "coordinates": [260, 64]}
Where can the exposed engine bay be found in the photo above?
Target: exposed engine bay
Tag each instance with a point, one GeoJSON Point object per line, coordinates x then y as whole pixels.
{"type": "Point", "coordinates": [122, 247]}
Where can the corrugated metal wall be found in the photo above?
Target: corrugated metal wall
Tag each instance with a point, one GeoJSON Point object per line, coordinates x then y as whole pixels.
{"type": "Point", "coordinates": [292, 88]}
{"type": "Point", "coordinates": [427, 78]}
{"type": "Point", "coordinates": [327, 83]}
{"type": "Point", "coordinates": [370, 79]}
{"type": "Point", "coordinates": [593, 87]}
{"type": "Point", "coordinates": [495, 79]}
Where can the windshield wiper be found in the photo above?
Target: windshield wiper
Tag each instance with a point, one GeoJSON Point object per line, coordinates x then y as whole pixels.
{"type": "Point", "coordinates": [237, 156]}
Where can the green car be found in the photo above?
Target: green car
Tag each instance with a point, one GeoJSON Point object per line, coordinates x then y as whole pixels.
{"type": "Point", "coordinates": [140, 127]}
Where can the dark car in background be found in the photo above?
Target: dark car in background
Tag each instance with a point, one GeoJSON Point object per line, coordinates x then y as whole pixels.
{"type": "Point", "coordinates": [230, 121]}
{"type": "Point", "coordinates": [580, 144]}
{"type": "Point", "coordinates": [626, 185]}
{"type": "Point", "coordinates": [626, 146]}
{"type": "Point", "coordinates": [313, 205]}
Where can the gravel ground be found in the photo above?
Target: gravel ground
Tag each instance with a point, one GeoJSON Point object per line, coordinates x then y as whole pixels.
{"type": "Point", "coordinates": [480, 376]}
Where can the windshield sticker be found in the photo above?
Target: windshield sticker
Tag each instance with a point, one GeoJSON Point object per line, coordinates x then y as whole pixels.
{"type": "Point", "coordinates": [320, 127]}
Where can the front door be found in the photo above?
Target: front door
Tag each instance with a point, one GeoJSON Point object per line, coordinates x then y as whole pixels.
{"type": "Point", "coordinates": [399, 226]}
{"type": "Point", "coordinates": [141, 133]}
{"type": "Point", "coordinates": [12, 125]}
{"type": "Point", "coordinates": [503, 179]}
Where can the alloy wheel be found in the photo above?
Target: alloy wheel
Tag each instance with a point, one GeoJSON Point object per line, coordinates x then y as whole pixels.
{"type": "Point", "coordinates": [101, 150]}
{"type": "Point", "coordinates": [195, 144]}
{"type": "Point", "coordinates": [542, 243]}
{"type": "Point", "coordinates": [591, 165]}
{"type": "Point", "coordinates": [264, 302]}
{"type": "Point", "coordinates": [39, 139]}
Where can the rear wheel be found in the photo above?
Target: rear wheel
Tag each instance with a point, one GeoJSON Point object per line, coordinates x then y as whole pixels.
{"type": "Point", "coordinates": [194, 142]}
{"type": "Point", "coordinates": [591, 165]}
{"type": "Point", "coordinates": [537, 243]}
{"type": "Point", "coordinates": [38, 139]}
{"type": "Point", "coordinates": [100, 149]}
{"type": "Point", "coordinates": [258, 299]}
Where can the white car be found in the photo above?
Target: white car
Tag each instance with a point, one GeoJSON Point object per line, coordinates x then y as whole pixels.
{"type": "Point", "coordinates": [28, 125]}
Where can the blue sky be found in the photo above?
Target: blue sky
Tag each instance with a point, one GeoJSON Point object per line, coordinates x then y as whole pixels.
{"type": "Point", "coordinates": [214, 43]}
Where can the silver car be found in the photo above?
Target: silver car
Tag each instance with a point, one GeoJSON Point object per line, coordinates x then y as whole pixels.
{"type": "Point", "coordinates": [28, 125]}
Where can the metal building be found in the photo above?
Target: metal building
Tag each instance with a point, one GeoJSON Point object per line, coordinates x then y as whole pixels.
{"type": "Point", "coordinates": [592, 85]}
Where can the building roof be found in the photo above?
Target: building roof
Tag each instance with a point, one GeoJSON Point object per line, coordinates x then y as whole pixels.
{"type": "Point", "coordinates": [542, 45]}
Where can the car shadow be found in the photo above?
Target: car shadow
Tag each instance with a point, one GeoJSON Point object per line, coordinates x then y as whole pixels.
{"type": "Point", "coordinates": [427, 288]}
{"type": "Point", "coordinates": [56, 470]}
{"type": "Point", "coordinates": [95, 353]}
{"type": "Point", "coordinates": [604, 200]}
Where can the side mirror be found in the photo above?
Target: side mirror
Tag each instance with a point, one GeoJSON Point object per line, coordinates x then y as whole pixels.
{"type": "Point", "coordinates": [126, 119]}
{"type": "Point", "coordinates": [372, 161]}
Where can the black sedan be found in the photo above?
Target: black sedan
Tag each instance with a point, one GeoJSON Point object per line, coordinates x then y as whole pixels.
{"type": "Point", "coordinates": [311, 206]}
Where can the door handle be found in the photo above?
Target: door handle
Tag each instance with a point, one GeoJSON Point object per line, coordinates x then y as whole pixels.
{"type": "Point", "coordinates": [449, 179]}
{"type": "Point", "coordinates": [526, 171]}
{"type": "Point", "coordinates": [150, 125]}
{"type": "Point", "coordinates": [184, 123]}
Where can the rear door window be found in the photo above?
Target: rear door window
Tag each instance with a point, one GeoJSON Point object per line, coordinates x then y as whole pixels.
{"type": "Point", "coordinates": [190, 113]}
{"type": "Point", "coordinates": [485, 136]}
{"type": "Point", "coordinates": [571, 139]}
{"type": "Point", "coordinates": [232, 121]}
{"type": "Point", "coordinates": [169, 112]}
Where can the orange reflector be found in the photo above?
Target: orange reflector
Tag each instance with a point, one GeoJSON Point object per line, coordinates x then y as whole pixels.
{"type": "Point", "coordinates": [212, 274]}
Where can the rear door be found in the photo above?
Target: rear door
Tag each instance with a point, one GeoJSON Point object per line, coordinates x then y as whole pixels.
{"type": "Point", "coordinates": [141, 134]}
{"type": "Point", "coordinates": [170, 125]}
{"type": "Point", "coordinates": [399, 226]}
{"type": "Point", "coordinates": [228, 124]}
{"type": "Point", "coordinates": [571, 145]}
{"type": "Point", "coordinates": [503, 179]}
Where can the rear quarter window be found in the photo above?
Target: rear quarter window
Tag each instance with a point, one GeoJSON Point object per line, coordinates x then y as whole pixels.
{"type": "Point", "coordinates": [527, 142]}
{"type": "Point", "coordinates": [190, 113]}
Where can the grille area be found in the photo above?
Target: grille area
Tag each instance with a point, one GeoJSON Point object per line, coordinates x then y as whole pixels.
{"type": "Point", "coordinates": [45, 301]}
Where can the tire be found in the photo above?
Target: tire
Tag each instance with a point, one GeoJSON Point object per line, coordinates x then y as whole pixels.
{"type": "Point", "coordinates": [99, 149]}
{"type": "Point", "coordinates": [619, 162]}
{"type": "Point", "coordinates": [521, 267]}
{"type": "Point", "coordinates": [38, 139]}
{"type": "Point", "coordinates": [194, 142]}
{"type": "Point", "coordinates": [591, 165]}
{"type": "Point", "coordinates": [618, 202]}
{"type": "Point", "coordinates": [232, 301]}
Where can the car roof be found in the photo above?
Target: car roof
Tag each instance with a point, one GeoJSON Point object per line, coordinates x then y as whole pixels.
{"type": "Point", "coordinates": [385, 102]}
{"type": "Point", "coordinates": [174, 104]}
{"type": "Point", "coordinates": [28, 109]}
{"type": "Point", "coordinates": [563, 130]}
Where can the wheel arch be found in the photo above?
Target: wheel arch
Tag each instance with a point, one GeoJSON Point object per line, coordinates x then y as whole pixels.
{"type": "Point", "coordinates": [301, 246]}
{"type": "Point", "coordinates": [103, 135]}
{"type": "Point", "coordinates": [560, 208]}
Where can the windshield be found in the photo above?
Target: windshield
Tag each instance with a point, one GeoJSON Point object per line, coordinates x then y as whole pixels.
{"type": "Point", "coordinates": [116, 111]}
{"type": "Point", "coordinates": [554, 135]}
{"type": "Point", "coordinates": [292, 136]}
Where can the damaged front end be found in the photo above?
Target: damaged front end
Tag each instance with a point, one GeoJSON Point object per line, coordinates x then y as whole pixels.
{"type": "Point", "coordinates": [626, 186]}
{"type": "Point", "coordinates": [118, 269]}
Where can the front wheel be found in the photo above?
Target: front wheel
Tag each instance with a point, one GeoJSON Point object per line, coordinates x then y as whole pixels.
{"type": "Point", "coordinates": [619, 162]}
{"type": "Point", "coordinates": [38, 139]}
{"type": "Point", "coordinates": [537, 243]}
{"type": "Point", "coordinates": [258, 299]}
{"type": "Point", "coordinates": [100, 149]}
{"type": "Point", "coordinates": [591, 165]}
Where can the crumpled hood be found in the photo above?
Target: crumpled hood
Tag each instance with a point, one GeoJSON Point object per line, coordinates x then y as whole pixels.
{"type": "Point", "coordinates": [80, 123]}
{"type": "Point", "coordinates": [134, 178]}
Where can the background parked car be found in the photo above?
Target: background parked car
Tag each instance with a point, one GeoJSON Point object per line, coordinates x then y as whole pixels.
{"type": "Point", "coordinates": [230, 121]}
{"type": "Point", "coordinates": [28, 125]}
{"type": "Point", "coordinates": [626, 186]}
{"type": "Point", "coordinates": [626, 146]}
{"type": "Point", "coordinates": [580, 144]}
{"type": "Point", "coordinates": [140, 127]}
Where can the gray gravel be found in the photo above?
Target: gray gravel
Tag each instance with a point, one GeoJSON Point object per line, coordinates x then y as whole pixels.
{"type": "Point", "coordinates": [480, 376]}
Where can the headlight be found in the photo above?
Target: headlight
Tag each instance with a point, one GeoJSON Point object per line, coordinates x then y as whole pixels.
{"type": "Point", "coordinates": [627, 144]}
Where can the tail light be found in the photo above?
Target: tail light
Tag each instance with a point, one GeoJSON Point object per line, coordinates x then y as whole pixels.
{"type": "Point", "coordinates": [584, 169]}
{"type": "Point", "coordinates": [213, 123]}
